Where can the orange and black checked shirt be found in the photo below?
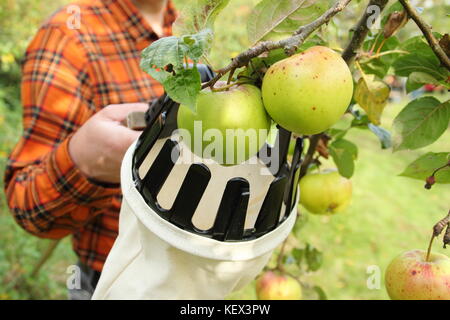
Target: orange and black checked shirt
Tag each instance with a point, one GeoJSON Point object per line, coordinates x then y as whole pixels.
{"type": "Point", "coordinates": [68, 75]}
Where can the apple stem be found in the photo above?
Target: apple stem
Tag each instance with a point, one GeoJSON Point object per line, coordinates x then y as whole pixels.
{"type": "Point", "coordinates": [228, 86]}
{"type": "Point", "coordinates": [224, 88]}
{"type": "Point", "coordinates": [230, 76]}
{"type": "Point", "coordinates": [427, 259]}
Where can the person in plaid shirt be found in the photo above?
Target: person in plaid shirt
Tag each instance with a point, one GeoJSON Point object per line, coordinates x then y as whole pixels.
{"type": "Point", "coordinates": [78, 84]}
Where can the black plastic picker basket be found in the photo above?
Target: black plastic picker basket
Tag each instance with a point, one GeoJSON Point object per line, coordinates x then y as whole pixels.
{"type": "Point", "coordinates": [226, 200]}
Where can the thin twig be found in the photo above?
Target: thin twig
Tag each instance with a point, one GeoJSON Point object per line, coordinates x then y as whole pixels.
{"type": "Point", "coordinates": [45, 256]}
{"type": "Point", "coordinates": [361, 30]}
{"type": "Point", "coordinates": [426, 30]}
{"type": "Point", "coordinates": [281, 255]}
{"type": "Point", "coordinates": [309, 157]}
{"type": "Point", "coordinates": [289, 44]}
{"type": "Point", "coordinates": [379, 55]}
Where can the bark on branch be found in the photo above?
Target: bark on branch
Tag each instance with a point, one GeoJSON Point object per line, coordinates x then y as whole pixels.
{"type": "Point", "coordinates": [361, 30]}
{"type": "Point", "coordinates": [426, 30]}
{"type": "Point", "coordinates": [289, 44]}
{"type": "Point", "coordinates": [359, 35]}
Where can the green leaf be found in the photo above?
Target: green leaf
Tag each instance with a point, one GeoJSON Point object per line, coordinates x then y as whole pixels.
{"type": "Point", "coordinates": [344, 154]}
{"type": "Point", "coordinates": [165, 59]}
{"type": "Point", "coordinates": [298, 255]}
{"type": "Point", "coordinates": [337, 134]}
{"type": "Point", "coordinates": [184, 87]}
{"type": "Point", "coordinates": [380, 66]}
{"type": "Point", "coordinates": [382, 134]}
{"type": "Point", "coordinates": [198, 16]}
{"type": "Point", "coordinates": [163, 52]}
{"type": "Point", "coordinates": [372, 95]}
{"type": "Point", "coordinates": [421, 58]}
{"type": "Point", "coordinates": [300, 223]}
{"type": "Point", "coordinates": [405, 65]}
{"type": "Point", "coordinates": [420, 123]}
{"type": "Point", "coordinates": [198, 44]}
{"type": "Point", "coordinates": [424, 166]}
{"type": "Point", "coordinates": [283, 16]}
{"type": "Point", "coordinates": [320, 293]}
{"type": "Point", "coordinates": [173, 50]}
{"type": "Point", "coordinates": [313, 257]}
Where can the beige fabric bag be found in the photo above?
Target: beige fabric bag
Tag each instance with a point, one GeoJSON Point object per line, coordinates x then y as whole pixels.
{"type": "Point", "coordinates": [154, 259]}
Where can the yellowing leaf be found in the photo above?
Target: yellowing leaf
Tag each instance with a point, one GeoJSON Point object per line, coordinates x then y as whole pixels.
{"type": "Point", "coordinates": [372, 95]}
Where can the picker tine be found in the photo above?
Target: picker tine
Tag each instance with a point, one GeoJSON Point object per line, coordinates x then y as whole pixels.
{"type": "Point", "coordinates": [189, 196]}
{"type": "Point", "coordinates": [283, 145]}
{"type": "Point", "coordinates": [291, 192]}
{"type": "Point", "coordinates": [280, 150]}
{"type": "Point", "coordinates": [235, 229]}
{"type": "Point", "coordinates": [161, 168]}
{"type": "Point", "coordinates": [155, 124]}
{"type": "Point", "coordinates": [229, 206]}
{"type": "Point", "coordinates": [269, 214]}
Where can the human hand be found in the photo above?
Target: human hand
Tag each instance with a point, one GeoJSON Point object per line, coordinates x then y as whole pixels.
{"type": "Point", "coordinates": [98, 147]}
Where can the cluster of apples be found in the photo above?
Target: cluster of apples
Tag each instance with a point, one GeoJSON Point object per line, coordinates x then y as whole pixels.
{"type": "Point", "coordinates": [305, 93]}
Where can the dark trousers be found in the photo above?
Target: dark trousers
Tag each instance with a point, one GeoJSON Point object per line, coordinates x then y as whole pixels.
{"type": "Point", "coordinates": [88, 282]}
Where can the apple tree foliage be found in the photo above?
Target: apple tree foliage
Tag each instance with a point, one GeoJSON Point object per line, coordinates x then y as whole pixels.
{"type": "Point", "coordinates": [380, 53]}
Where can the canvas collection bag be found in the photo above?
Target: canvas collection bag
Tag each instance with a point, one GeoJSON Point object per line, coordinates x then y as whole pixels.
{"type": "Point", "coordinates": [154, 259]}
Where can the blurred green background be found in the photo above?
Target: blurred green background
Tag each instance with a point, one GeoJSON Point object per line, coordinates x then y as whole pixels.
{"type": "Point", "coordinates": [389, 214]}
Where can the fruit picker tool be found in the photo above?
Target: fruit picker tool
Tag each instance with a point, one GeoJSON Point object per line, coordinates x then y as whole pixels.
{"type": "Point", "coordinates": [212, 227]}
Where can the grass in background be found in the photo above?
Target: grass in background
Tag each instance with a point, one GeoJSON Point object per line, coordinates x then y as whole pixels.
{"type": "Point", "coordinates": [20, 251]}
{"type": "Point", "coordinates": [389, 214]}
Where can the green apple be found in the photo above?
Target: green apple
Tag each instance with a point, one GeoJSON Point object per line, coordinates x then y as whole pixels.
{"type": "Point", "coordinates": [228, 126]}
{"type": "Point", "coordinates": [410, 277]}
{"type": "Point", "coordinates": [270, 286]}
{"type": "Point", "coordinates": [325, 192]}
{"type": "Point", "coordinates": [308, 92]}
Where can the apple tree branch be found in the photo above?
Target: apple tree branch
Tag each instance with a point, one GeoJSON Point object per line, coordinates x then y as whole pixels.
{"type": "Point", "coordinates": [359, 35]}
{"type": "Point", "coordinates": [361, 30]}
{"type": "Point", "coordinates": [289, 44]}
{"type": "Point", "coordinates": [427, 32]}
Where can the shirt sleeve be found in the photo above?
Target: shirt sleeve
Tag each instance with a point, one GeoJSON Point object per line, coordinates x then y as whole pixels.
{"type": "Point", "coordinates": [46, 193]}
